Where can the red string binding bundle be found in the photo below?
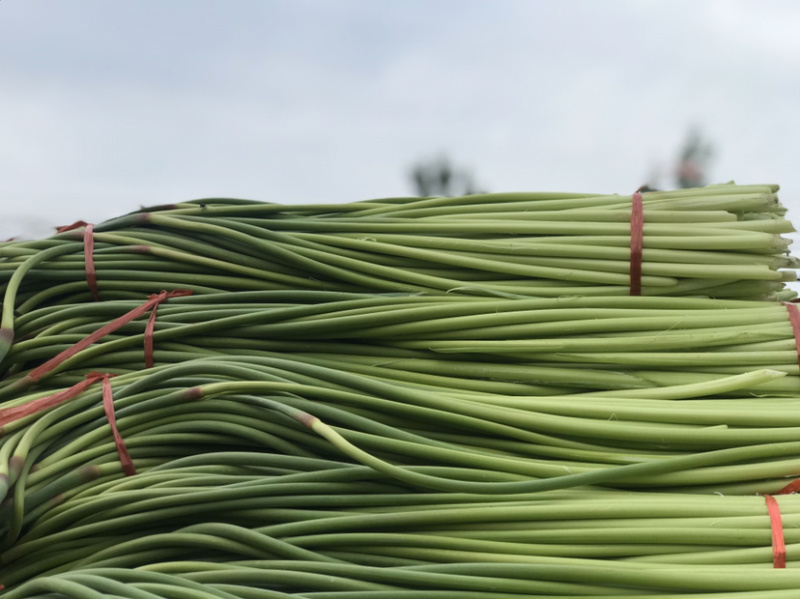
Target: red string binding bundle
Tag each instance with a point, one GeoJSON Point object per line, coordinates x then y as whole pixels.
{"type": "Point", "coordinates": [88, 257]}
{"type": "Point", "coordinates": [794, 318]}
{"type": "Point", "coordinates": [637, 241]}
{"type": "Point", "coordinates": [792, 487]}
{"type": "Point", "coordinates": [776, 526]}
{"type": "Point", "coordinates": [151, 303]}
{"type": "Point", "coordinates": [775, 520]}
{"type": "Point", "coordinates": [108, 406]}
{"type": "Point", "coordinates": [88, 253]}
{"type": "Point", "coordinates": [151, 322]}
{"type": "Point", "coordinates": [11, 414]}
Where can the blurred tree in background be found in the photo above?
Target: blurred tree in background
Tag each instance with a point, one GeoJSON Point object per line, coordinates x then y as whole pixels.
{"type": "Point", "coordinates": [691, 170]}
{"type": "Point", "coordinates": [438, 177]}
{"type": "Point", "coordinates": [690, 166]}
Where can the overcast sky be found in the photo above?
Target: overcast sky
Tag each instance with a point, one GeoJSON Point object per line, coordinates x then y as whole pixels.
{"type": "Point", "coordinates": [106, 105]}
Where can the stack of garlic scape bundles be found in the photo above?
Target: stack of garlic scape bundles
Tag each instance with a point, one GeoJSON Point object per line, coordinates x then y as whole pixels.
{"type": "Point", "coordinates": [485, 397]}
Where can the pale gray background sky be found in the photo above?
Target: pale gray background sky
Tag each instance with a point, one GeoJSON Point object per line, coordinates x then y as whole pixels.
{"type": "Point", "coordinates": [106, 105]}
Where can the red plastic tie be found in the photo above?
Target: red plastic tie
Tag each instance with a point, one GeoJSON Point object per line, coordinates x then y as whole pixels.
{"type": "Point", "coordinates": [88, 253]}
{"type": "Point", "coordinates": [152, 301]}
{"type": "Point", "coordinates": [776, 525]}
{"type": "Point", "coordinates": [794, 318]}
{"type": "Point", "coordinates": [76, 225]}
{"type": "Point", "coordinates": [148, 338]}
{"type": "Point", "coordinates": [8, 415]}
{"type": "Point", "coordinates": [637, 241]}
{"type": "Point", "coordinates": [792, 487]}
{"type": "Point", "coordinates": [151, 323]}
{"type": "Point", "coordinates": [88, 259]}
{"type": "Point", "coordinates": [108, 405]}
